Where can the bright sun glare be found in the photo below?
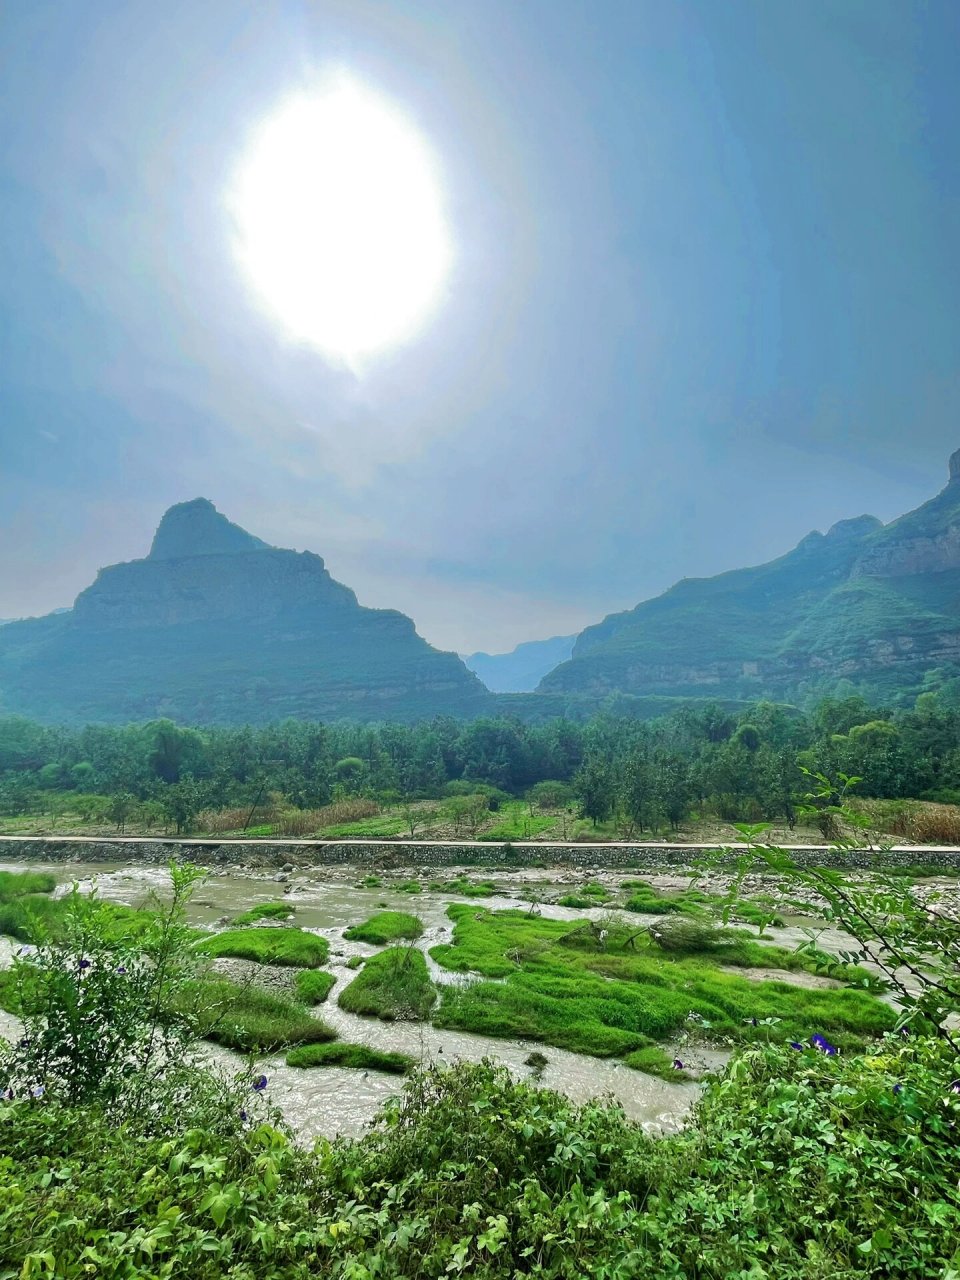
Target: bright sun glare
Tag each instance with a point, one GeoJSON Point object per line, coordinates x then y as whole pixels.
{"type": "Point", "coordinates": [340, 222]}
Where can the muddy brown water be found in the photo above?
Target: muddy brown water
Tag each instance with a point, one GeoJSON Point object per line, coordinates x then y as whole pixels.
{"type": "Point", "coordinates": [331, 1100]}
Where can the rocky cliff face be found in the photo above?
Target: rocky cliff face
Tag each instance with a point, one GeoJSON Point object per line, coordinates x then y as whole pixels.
{"type": "Point", "coordinates": [215, 626]}
{"type": "Point", "coordinates": [870, 605]}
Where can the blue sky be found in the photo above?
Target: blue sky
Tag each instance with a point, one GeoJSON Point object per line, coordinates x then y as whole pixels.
{"type": "Point", "coordinates": [705, 295]}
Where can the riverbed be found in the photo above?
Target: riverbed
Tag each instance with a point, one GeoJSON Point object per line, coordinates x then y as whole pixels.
{"type": "Point", "coordinates": [331, 1101]}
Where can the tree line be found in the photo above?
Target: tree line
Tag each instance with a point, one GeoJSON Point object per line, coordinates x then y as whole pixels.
{"type": "Point", "coordinates": [744, 766]}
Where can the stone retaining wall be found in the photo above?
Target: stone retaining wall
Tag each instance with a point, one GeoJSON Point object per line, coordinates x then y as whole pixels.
{"type": "Point", "coordinates": [411, 853]}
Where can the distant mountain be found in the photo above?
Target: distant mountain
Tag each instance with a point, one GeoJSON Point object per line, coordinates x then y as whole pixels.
{"type": "Point", "coordinates": [522, 669]}
{"type": "Point", "coordinates": [214, 626]}
{"type": "Point", "coordinates": [869, 606]}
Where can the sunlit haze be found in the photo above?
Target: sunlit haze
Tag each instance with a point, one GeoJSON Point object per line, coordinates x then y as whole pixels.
{"type": "Point", "coordinates": [340, 222]}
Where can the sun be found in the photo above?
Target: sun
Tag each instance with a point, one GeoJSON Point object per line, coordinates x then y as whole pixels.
{"type": "Point", "coordinates": [340, 224]}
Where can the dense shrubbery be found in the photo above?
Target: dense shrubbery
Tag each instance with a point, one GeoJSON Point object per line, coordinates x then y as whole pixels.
{"type": "Point", "coordinates": [797, 1166]}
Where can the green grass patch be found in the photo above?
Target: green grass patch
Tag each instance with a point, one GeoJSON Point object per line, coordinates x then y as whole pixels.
{"type": "Point", "coordinates": [408, 886]}
{"type": "Point", "coordinates": [265, 911]}
{"type": "Point", "coordinates": [269, 946]}
{"type": "Point", "coordinates": [355, 962]}
{"type": "Point", "coordinates": [14, 884]}
{"type": "Point", "coordinates": [370, 882]}
{"type": "Point", "coordinates": [392, 985]}
{"type": "Point", "coordinates": [471, 888]}
{"type": "Point", "coordinates": [350, 1055]}
{"type": "Point", "coordinates": [562, 985]}
{"type": "Point", "coordinates": [314, 985]}
{"type": "Point", "coordinates": [384, 927]}
{"type": "Point", "coordinates": [249, 1019]}
{"type": "Point", "coordinates": [576, 901]}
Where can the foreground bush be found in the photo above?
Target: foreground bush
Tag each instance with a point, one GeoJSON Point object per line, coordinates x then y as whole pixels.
{"type": "Point", "coordinates": [798, 1166]}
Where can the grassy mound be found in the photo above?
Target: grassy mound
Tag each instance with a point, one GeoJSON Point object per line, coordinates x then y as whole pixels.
{"type": "Point", "coordinates": [392, 985]}
{"type": "Point", "coordinates": [568, 986]}
{"type": "Point", "coordinates": [349, 1055]}
{"type": "Point", "coordinates": [384, 927]}
{"type": "Point", "coordinates": [313, 985]}
{"type": "Point", "coordinates": [14, 884]}
{"type": "Point", "coordinates": [287, 946]}
{"type": "Point", "coordinates": [265, 911]}
{"type": "Point", "coordinates": [248, 1018]}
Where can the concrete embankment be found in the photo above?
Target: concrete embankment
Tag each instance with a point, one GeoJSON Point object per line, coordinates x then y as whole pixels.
{"type": "Point", "coordinates": [414, 853]}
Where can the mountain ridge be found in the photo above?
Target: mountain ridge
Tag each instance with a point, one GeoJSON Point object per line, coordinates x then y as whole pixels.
{"type": "Point", "coordinates": [216, 626]}
{"type": "Point", "coordinates": [872, 605]}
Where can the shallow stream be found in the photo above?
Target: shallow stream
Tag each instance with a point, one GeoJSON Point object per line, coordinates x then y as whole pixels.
{"type": "Point", "coordinates": [335, 1100]}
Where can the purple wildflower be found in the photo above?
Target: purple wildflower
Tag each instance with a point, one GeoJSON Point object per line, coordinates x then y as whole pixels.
{"type": "Point", "coordinates": [23, 1044]}
{"type": "Point", "coordinates": [823, 1044]}
{"type": "Point", "coordinates": [84, 964]}
{"type": "Point", "coordinates": [243, 1114]}
{"type": "Point", "coordinates": [898, 1088]}
{"type": "Point", "coordinates": [955, 1086]}
{"type": "Point", "coordinates": [677, 1064]}
{"type": "Point", "coordinates": [795, 1044]}
{"type": "Point", "coordinates": [9, 1095]}
{"type": "Point", "coordinates": [37, 1091]}
{"type": "Point", "coordinates": [259, 1084]}
{"type": "Point", "coordinates": [751, 1022]}
{"type": "Point", "coordinates": [121, 968]}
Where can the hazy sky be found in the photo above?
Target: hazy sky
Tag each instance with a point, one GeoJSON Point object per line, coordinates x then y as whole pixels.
{"type": "Point", "coordinates": [705, 295]}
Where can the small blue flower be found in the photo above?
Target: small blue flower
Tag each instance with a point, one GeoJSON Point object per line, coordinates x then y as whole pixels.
{"type": "Point", "coordinates": [795, 1044]}
{"type": "Point", "coordinates": [751, 1022]}
{"type": "Point", "coordinates": [23, 1044]}
{"type": "Point", "coordinates": [121, 968]}
{"type": "Point", "coordinates": [243, 1114]}
{"type": "Point", "coordinates": [259, 1084]}
{"type": "Point", "coordinates": [823, 1044]}
{"type": "Point", "coordinates": [677, 1064]}
{"type": "Point", "coordinates": [955, 1086]}
{"type": "Point", "coordinates": [37, 1090]}
{"type": "Point", "coordinates": [898, 1088]}
{"type": "Point", "coordinates": [905, 1033]}
{"type": "Point", "coordinates": [26, 951]}
{"type": "Point", "coordinates": [84, 964]}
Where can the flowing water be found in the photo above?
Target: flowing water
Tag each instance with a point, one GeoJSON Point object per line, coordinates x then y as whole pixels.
{"type": "Point", "coordinates": [335, 1100]}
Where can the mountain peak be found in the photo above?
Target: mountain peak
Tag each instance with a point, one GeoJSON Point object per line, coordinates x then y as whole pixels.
{"type": "Point", "coordinates": [955, 466]}
{"type": "Point", "coordinates": [198, 529]}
